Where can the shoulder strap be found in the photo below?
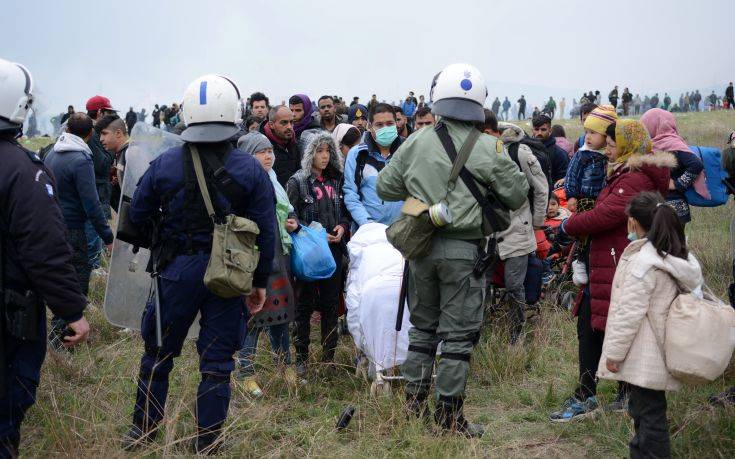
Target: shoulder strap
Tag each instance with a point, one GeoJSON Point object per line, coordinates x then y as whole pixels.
{"type": "Point", "coordinates": [468, 179]}
{"type": "Point", "coordinates": [464, 154]}
{"type": "Point", "coordinates": [200, 179]}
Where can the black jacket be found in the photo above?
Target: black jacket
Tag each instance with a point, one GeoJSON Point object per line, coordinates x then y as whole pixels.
{"type": "Point", "coordinates": [130, 119]}
{"type": "Point", "coordinates": [102, 160]}
{"type": "Point", "coordinates": [35, 254]}
{"type": "Point", "coordinates": [288, 159]}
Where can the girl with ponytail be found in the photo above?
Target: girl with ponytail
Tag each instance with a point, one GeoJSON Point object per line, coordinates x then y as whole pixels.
{"type": "Point", "coordinates": [653, 269]}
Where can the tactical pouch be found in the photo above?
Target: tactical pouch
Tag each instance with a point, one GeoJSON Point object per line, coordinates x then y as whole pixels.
{"type": "Point", "coordinates": [22, 315]}
{"type": "Point", "coordinates": [235, 255]}
{"type": "Point", "coordinates": [412, 233]}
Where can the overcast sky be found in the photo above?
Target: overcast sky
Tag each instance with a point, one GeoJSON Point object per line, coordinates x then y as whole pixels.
{"type": "Point", "coordinates": [140, 52]}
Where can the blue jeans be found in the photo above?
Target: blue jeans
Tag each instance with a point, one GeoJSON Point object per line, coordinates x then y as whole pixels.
{"type": "Point", "coordinates": [278, 335]}
{"type": "Point", "coordinates": [94, 246]}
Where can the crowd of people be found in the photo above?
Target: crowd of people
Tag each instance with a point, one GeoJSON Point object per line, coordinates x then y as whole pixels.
{"type": "Point", "coordinates": [616, 195]}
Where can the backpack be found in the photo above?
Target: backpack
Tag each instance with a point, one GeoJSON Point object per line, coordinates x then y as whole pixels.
{"type": "Point", "coordinates": [539, 151]}
{"type": "Point", "coordinates": [716, 175]}
{"type": "Point", "coordinates": [363, 159]}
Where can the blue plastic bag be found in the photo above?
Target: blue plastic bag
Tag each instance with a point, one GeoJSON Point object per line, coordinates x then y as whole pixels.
{"type": "Point", "coordinates": [311, 259]}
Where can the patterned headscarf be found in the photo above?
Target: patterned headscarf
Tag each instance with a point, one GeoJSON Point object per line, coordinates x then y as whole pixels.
{"type": "Point", "coordinates": [631, 138]}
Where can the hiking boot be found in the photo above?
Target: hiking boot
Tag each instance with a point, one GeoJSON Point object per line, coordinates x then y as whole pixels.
{"type": "Point", "coordinates": [573, 408]}
{"type": "Point", "coordinates": [620, 404]}
{"type": "Point", "coordinates": [449, 418]}
{"type": "Point", "coordinates": [417, 407]}
{"type": "Point", "coordinates": [726, 398]}
{"type": "Point", "coordinates": [251, 387]}
{"type": "Point", "coordinates": [136, 438]}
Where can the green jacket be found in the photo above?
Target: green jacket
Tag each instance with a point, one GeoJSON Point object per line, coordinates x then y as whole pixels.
{"type": "Point", "coordinates": [421, 168]}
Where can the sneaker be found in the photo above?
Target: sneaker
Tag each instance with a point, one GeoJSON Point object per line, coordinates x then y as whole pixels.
{"type": "Point", "coordinates": [620, 404]}
{"type": "Point", "coordinates": [573, 408]}
{"type": "Point", "coordinates": [251, 387]}
{"type": "Point", "coordinates": [547, 277]}
{"type": "Point", "coordinates": [724, 398]}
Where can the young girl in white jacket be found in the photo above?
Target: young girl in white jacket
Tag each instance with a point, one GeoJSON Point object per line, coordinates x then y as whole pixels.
{"type": "Point", "coordinates": [653, 269]}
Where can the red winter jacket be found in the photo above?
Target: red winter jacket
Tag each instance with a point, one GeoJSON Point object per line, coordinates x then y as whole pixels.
{"type": "Point", "coordinates": [607, 223]}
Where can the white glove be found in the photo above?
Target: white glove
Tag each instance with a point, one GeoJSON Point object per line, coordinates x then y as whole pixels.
{"type": "Point", "coordinates": [579, 273]}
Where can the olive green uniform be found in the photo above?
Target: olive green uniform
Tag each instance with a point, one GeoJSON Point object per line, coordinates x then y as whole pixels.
{"type": "Point", "coordinates": [445, 298]}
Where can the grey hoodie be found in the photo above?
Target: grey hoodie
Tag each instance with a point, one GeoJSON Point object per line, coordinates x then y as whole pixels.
{"type": "Point", "coordinates": [519, 239]}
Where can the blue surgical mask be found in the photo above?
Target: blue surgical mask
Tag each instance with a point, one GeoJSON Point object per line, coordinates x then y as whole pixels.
{"type": "Point", "coordinates": [633, 236]}
{"type": "Point", "coordinates": [386, 135]}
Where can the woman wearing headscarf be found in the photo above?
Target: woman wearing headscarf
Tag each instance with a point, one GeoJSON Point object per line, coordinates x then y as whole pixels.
{"type": "Point", "coordinates": [632, 168]}
{"type": "Point", "coordinates": [345, 137]}
{"type": "Point", "coordinates": [661, 126]}
{"type": "Point", "coordinates": [279, 307]}
{"type": "Point", "coordinates": [315, 192]}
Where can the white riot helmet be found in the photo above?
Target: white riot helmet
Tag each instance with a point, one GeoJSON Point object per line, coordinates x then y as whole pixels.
{"type": "Point", "coordinates": [212, 110]}
{"type": "Point", "coordinates": [16, 98]}
{"type": "Point", "coordinates": [459, 92]}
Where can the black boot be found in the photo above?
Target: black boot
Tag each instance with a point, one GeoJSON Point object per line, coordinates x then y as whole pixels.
{"type": "Point", "coordinates": [517, 319]}
{"type": "Point", "coordinates": [449, 418]}
{"type": "Point", "coordinates": [416, 406]}
{"type": "Point", "coordinates": [137, 437]}
{"type": "Point", "coordinates": [9, 447]}
{"type": "Point", "coordinates": [208, 441]}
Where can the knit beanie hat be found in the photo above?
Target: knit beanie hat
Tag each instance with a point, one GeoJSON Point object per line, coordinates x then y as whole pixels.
{"type": "Point", "coordinates": [600, 118]}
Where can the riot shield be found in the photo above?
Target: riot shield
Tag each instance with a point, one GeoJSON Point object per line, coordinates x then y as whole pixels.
{"type": "Point", "coordinates": [128, 284]}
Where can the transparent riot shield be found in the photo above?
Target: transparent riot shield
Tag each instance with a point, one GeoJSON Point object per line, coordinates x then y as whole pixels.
{"type": "Point", "coordinates": [129, 285]}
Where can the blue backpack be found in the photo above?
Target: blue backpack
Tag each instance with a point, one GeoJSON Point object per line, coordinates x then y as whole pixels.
{"type": "Point", "coordinates": [716, 175]}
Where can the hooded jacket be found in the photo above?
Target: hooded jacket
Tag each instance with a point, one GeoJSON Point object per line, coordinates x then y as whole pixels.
{"type": "Point", "coordinates": [363, 202]}
{"type": "Point", "coordinates": [421, 168]}
{"type": "Point", "coordinates": [288, 155]}
{"type": "Point", "coordinates": [301, 187]}
{"type": "Point", "coordinates": [607, 223]}
{"type": "Point", "coordinates": [519, 239]}
{"type": "Point", "coordinates": [644, 287]}
{"type": "Point", "coordinates": [71, 163]}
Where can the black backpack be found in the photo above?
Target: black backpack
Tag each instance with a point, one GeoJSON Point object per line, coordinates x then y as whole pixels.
{"type": "Point", "coordinates": [539, 151]}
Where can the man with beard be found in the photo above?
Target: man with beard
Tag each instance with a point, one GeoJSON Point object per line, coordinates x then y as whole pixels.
{"type": "Point", "coordinates": [259, 105]}
{"type": "Point", "coordinates": [557, 156]}
{"type": "Point", "coordinates": [328, 118]}
{"type": "Point", "coordinates": [279, 130]}
{"type": "Point", "coordinates": [424, 118]}
{"type": "Point", "coordinates": [303, 114]}
{"type": "Point", "coordinates": [404, 129]}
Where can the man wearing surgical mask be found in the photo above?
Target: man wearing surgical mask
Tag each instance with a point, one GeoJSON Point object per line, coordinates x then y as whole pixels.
{"type": "Point", "coordinates": [363, 164]}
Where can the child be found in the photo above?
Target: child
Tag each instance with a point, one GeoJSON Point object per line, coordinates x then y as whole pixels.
{"type": "Point", "coordinates": [587, 171]}
{"type": "Point", "coordinates": [548, 251]}
{"type": "Point", "coordinates": [555, 213]}
{"type": "Point", "coordinates": [652, 271]}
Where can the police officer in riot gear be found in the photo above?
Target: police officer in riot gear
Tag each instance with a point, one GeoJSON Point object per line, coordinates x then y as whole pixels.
{"type": "Point", "coordinates": [445, 292]}
{"type": "Point", "coordinates": [169, 205]}
{"type": "Point", "coordinates": [35, 261]}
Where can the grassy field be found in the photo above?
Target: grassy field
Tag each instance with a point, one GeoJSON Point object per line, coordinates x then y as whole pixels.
{"type": "Point", "coordinates": [85, 401]}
